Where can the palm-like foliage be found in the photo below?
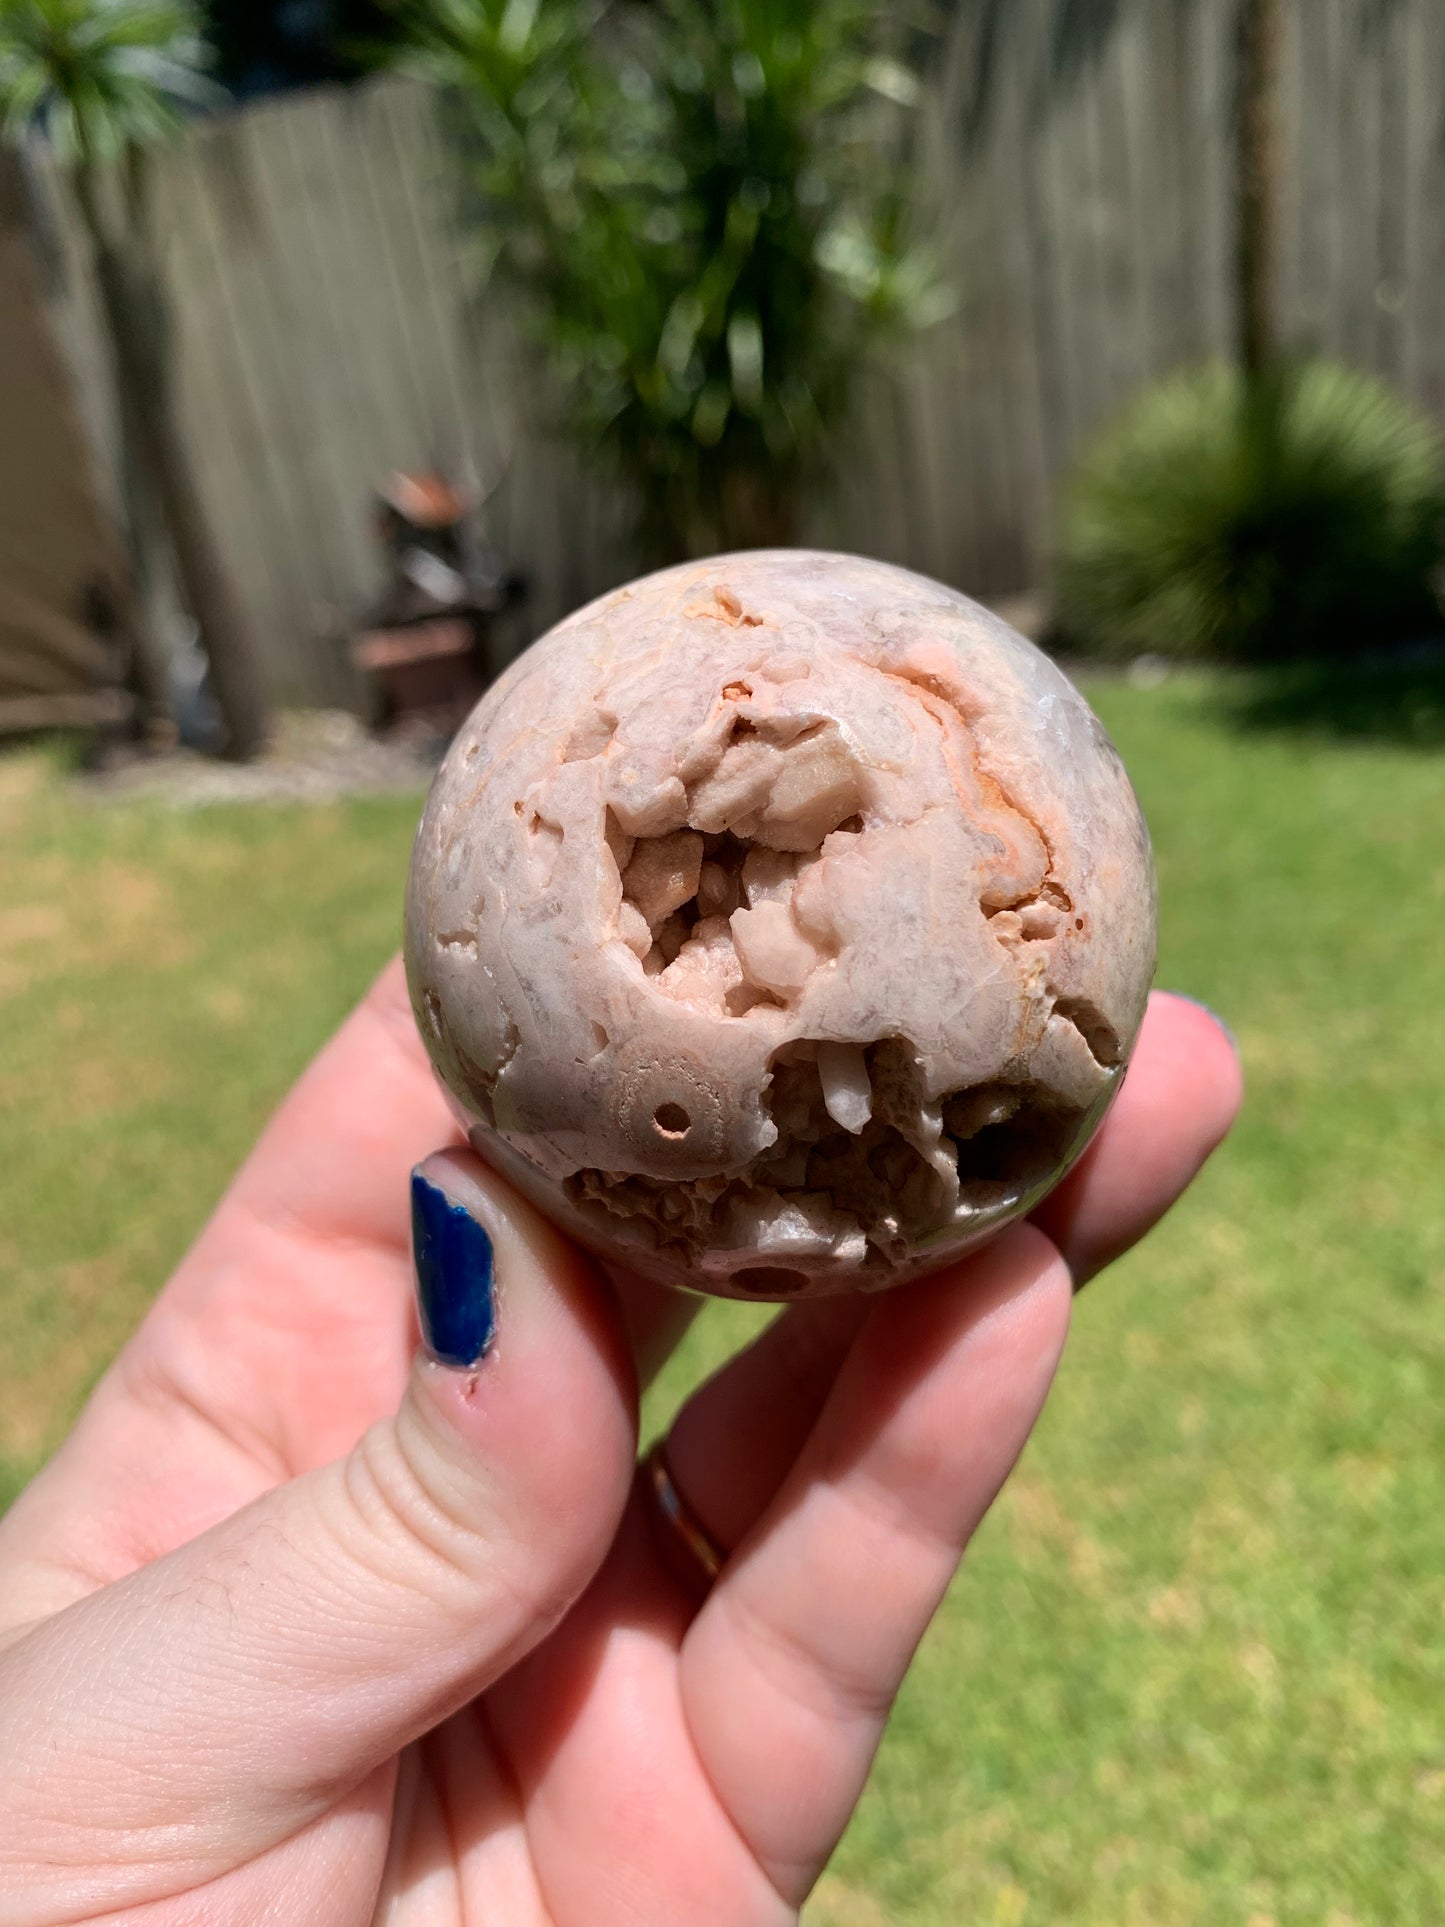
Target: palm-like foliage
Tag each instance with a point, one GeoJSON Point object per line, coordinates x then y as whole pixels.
{"type": "Point", "coordinates": [705, 202]}
{"type": "Point", "coordinates": [1297, 513]}
{"type": "Point", "coordinates": [99, 76]}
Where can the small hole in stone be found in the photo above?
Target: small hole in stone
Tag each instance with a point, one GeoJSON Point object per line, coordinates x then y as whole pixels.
{"type": "Point", "coordinates": [518, 807]}
{"type": "Point", "coordinates": [600, 1038]}
{"type": "Point", "coordinates": [769, 1281]}
{"type": "Point", "coordinates": [1078, 923]}
{"type": "Point", "coordinates": [672, 1120]}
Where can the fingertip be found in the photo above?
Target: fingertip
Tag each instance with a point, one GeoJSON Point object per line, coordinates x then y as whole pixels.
{"type": "Point", "coordinates": [455, 1270]}
{"type": "Point", "coordinates": [469, 1182]}
{"type": "Point", "coordinates": [1198, 1048]}
{"type": "Point", "coordinates": [529, 1255]}
{"type": "Point", "coordinates": [524, 1358]}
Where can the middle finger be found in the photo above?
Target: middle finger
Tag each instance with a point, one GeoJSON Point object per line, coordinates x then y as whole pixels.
{"type": "Point", "coordinates": [735, 1440]}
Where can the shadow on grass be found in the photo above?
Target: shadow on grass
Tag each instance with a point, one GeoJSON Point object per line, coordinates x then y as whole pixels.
{"type": "Point", "coordinates": [1396, 698]}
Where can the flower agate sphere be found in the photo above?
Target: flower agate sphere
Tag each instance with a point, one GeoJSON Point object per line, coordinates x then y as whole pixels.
{"type": "Point", "coordinates": [781, 925]}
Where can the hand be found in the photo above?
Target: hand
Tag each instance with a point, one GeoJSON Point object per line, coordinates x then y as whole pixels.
{"type": "Point", "coordinates": [296, 1629]}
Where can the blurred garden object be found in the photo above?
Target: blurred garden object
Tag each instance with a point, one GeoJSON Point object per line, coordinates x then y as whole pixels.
{"type": "Point", "coordinates": [103, 80]}
{"type": "Point", "coordinates": [68, 625]}
{"type": "Point", "coordinates": [709, 212]}
{"type": "Point", "coordinates": [311, 756]}
{"type": "Point", "coordinates": [1285, 507]}
{"type": "Point", "coordinates": [1394, 696]}
{"type": "Point", "coordinates": [1258, 30]}
{"type": "Point", "coordinates": [426, 642]}
{"type": "Point", "coordinates": [1293, 513]}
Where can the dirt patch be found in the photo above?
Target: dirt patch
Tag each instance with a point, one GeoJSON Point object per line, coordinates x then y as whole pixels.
{"type": "Point", "coordinates": [313, 757]}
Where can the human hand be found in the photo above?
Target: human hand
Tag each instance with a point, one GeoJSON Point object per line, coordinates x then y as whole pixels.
{"type": "Point", "coordinates": [296, 1629]}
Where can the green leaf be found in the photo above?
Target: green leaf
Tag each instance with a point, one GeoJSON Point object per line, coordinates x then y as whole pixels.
{"type": "Point", "coordinates": [745, 358]}
{"type": "Point", "coordinates": [518, 22]}
{"type": "Point", "coordinates": [99, 75]}
{"type": "Point", "coordinates": [710, 416]}
{"type": "Point", "coordinates": [704, 206]}
{"type": "Point", "coordinates": [893, 81]}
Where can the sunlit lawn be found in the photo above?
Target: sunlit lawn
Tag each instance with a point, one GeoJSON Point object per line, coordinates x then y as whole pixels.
{"type": "Point", "coordinates": [1195, 1671]}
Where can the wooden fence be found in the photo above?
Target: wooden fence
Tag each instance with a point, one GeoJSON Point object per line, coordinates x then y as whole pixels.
{"type": "Point", "coordinates": [1078, 156]}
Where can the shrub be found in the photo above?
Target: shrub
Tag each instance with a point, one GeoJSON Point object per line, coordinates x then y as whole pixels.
{"type": "Point", "coordinates": [1300, 514]}
{"type": "Point", "coordinates": [705, 205]}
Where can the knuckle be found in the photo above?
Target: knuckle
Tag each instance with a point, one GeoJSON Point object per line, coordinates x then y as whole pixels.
{"type": "Point", "coordinates": [411, 1517]}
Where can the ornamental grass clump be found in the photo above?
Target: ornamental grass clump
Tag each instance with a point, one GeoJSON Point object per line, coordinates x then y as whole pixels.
{"type": "Point", "coordinates": [1295, 514]}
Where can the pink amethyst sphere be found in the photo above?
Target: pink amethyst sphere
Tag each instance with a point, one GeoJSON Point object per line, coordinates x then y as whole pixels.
{"type": "Point", "coordinates": [781, 925]}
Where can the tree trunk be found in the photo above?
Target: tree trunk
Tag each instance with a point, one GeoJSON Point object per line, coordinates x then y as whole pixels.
{"type": "Point", "coordinates": [1255, 183]}
{"type": "Point", "coordinates": [146, 539]}
{"type": "Point", "coordinates": [757, 509]}
{"type": "Point", "coordinates": [134, 311]}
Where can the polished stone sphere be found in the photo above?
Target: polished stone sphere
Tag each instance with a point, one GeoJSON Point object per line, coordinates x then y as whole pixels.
{"type": "Point", "coordinates": [781, 924]}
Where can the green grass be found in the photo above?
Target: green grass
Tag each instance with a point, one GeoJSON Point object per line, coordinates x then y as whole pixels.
{"type": "Point", "coordinates": [163, 977]}
{"type": "Point", "coordinates": [1194, 1670]}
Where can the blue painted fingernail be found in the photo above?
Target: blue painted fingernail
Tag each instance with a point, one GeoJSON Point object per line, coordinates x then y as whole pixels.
{"type": "Point", "coordinates": [1199, 1004]}
{"type": "Point", "coordinates": [455, 1277]}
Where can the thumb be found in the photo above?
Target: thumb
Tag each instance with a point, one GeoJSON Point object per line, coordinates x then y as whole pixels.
{"type": "Point", "coordinates": [220, 1698]}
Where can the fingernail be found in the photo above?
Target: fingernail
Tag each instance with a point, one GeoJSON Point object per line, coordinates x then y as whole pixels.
{"type": "Point", "coordinates": [1199, 1004]}
{"type": "Point", "coordinates": [455, 1277]}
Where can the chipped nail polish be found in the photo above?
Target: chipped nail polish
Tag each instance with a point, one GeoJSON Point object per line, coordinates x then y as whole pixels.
{"type": "Point", "coordinates": [455, 1277]}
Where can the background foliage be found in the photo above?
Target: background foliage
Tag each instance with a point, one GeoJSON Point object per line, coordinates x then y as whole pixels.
{"type": "Point", "coordinates": [706, 204]}
{"type": "Point", "coordinates": [1300, 513]}
{"type": "Point", "coordinates": [100, 76]}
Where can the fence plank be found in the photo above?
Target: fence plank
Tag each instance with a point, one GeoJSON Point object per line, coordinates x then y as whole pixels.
{"type": "Point", "coordinates": [329, 329]}
{"type": "Point", "coordinates": [1424, 236]}
{"type": "Point", "coordinates": [229, 447]}
{"type": "Point", "coordinates": [1392, 212]}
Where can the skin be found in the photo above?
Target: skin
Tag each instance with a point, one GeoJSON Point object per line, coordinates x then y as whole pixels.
{"type": "Point", "coordinates": [298, 1628]}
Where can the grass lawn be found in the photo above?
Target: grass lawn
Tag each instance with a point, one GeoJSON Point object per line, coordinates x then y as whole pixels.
{"type": "Point", "coordinates": [1195, 1669]}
